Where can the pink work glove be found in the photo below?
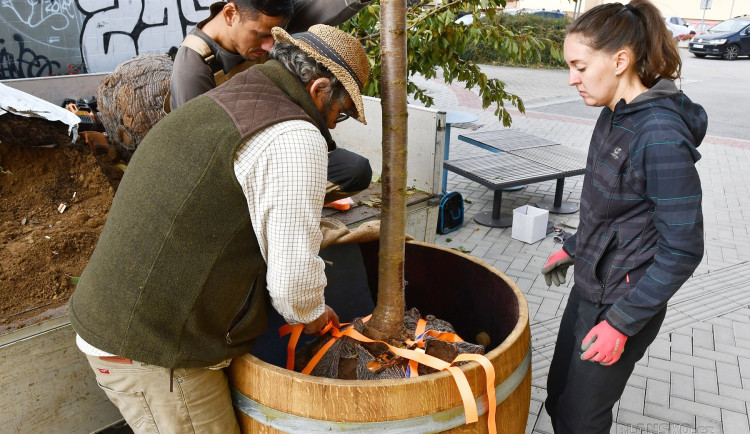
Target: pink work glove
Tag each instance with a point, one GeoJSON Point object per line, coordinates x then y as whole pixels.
{"type": "Point", "coordinates": [556, 267]}
{"type": "Point", "coordinates": [603, 344]}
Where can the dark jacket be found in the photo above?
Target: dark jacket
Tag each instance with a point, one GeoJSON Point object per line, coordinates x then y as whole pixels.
{"type": "Point", "coordinates": [641, 231]}
{"type": "Point", "coordinates": [332, 12]}
{"type": "Point", "coordinates": [177, 278]}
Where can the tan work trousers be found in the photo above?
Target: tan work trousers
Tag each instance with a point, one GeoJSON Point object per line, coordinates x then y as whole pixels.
{"type": "Point", "coordinates": [200, 401]}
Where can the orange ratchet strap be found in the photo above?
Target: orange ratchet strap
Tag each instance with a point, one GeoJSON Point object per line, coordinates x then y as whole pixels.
{"type": "Point", "coordinates": [413, 370]}
{"type": "Point", "coordinates": [296, 332]}
{"type": "Point", "coordinates": [415, 357]}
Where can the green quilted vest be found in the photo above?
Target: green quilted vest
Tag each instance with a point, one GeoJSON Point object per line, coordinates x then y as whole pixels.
{"type": "Point", "coordinates": [177, 278]}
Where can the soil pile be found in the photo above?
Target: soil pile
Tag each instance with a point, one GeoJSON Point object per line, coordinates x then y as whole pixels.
{"type": "Point", "coordinates": [53, 204]}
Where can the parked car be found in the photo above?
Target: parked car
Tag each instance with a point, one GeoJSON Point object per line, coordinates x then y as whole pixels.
{"type": "Point", "coordinates": [678, 26]}
{"type": "Point", "coordinates": [467, 19]}
{"type": "Point", "coordinates": [548, 14]}
{"type": "Point", "coordinates": [702, 28]}
{"type": "Point", "coordinates": [728, 39]}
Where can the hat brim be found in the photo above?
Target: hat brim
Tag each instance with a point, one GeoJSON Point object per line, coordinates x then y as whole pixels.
{"type": "Point", "coordinates": [339, 72]}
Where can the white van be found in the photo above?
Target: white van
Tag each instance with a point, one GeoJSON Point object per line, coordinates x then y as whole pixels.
{"type": "Point", "coordinates": [678, 26]}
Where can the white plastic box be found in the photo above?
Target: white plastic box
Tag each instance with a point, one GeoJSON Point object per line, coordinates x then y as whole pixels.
{"type": "Point", "coordinates": [529, 224]}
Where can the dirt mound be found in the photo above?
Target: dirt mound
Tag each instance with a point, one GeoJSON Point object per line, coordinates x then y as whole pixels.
{"type": "Point", "coordinates": [42, 247]}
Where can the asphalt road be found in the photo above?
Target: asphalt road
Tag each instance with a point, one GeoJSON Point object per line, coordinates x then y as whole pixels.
{"type": "Point", "coordinates": [722, 87]}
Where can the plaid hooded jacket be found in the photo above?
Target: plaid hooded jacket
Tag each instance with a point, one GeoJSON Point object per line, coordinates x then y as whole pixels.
{"type": "Point", "coordinates": [641, 231]}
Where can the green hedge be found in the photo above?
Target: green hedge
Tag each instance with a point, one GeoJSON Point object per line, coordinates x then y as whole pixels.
{"type": "Point", "coordinates": [551, 32]}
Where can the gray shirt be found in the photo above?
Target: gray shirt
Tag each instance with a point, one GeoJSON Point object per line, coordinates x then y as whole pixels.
{"type": "Point", "coordinates": [191, 75]}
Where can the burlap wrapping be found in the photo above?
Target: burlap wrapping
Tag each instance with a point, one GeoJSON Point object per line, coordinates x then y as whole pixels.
{"type": "Point", "coordinates": [335, 232]}
{"type": "Point", "coordinates": [131, 99]}
{"type": "Point", "coordinates": [349, 350]}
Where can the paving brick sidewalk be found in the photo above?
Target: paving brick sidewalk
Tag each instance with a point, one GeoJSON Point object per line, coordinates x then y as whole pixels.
{"type": "Point", "coordinates": [695, 378]}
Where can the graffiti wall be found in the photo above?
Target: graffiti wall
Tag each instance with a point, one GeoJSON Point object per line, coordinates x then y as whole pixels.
{"type": "Point", "coordinates": [53, 37]}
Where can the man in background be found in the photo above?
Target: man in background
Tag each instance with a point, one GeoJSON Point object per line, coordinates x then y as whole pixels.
{"type": "Point", "coordinates": [237, 35]}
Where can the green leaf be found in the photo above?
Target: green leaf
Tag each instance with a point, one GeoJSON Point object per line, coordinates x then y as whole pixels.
{"type": "Point", "coordinates": [461, 249]}
{"type": "Point", "coordinates": [434, 41]}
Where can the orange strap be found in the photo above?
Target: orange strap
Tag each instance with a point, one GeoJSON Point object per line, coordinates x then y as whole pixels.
{"type": "Point", "coordinates": [419, 330]}
{"type": "Point", "coordinates": [296, 331]}
{"type": "Point", "coordinates": [470, 406]}
{"type": "Point", "coordinates": [443, 336]}
{"type": "Point", "coordinates": [418, 335]}
{"type": "Point", "coordinates": [321, 352]}
{"type": "Point", "coordinates": [489, 373]}
{"type": "Point", "coordinates": [414, 357]}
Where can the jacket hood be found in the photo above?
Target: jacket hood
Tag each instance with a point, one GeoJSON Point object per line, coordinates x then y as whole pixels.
{"type": "Point", "coordinates": [665, 95]}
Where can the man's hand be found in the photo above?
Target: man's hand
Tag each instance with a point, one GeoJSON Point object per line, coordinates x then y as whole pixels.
{"type": "Point", "coordinates": [321, 321]}
{"type": "Point", "coordinates": [556, 267]}
{"type": "Point", "coordinates": [603, 344]}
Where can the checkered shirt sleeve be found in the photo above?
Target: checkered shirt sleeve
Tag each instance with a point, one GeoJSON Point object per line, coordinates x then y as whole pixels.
{"type": "Point", "coordinates": [282, 170]}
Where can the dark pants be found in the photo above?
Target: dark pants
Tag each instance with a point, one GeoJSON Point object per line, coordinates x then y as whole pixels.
{"type": "Point", "coordinates": [580, 393]}
{"type": "Point", "coordinates": [348, 174]}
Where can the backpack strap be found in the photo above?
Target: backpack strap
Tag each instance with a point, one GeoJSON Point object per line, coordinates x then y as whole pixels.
{"type": "Point", "coordinates": [200, 46]}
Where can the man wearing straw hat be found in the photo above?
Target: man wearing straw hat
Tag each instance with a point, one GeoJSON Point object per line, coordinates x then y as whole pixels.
{"type": "Point", "coordinates": [219, 209]}
{"type": "Point", "coordinates": [236, 35]}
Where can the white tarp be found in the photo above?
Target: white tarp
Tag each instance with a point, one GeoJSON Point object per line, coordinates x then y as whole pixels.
{"type": "Point", "coordinates": [23, 104]}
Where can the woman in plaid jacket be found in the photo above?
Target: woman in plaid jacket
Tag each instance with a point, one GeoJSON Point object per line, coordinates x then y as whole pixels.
{"type": "Point", "coordinates": [641, 231]}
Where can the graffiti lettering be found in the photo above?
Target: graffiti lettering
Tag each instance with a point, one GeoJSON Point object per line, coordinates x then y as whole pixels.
{"type": "Point", "coordinates": [64, 8]}
{"type": "Point", "coordinates": [118, 30]}
{"type": "Point", "coordinates": [100, 34]}
{"type": "Point", "coordinates": [26, 64]}
{"type": "Point", "coordinates": [36, 12]}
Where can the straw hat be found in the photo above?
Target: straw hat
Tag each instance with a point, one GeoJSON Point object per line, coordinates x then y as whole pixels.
{"type": "Point", "coordinates": [338, 51]}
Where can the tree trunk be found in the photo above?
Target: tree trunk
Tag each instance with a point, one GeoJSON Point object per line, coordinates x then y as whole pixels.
{"type": "Point", "coordinates": [387, 320]}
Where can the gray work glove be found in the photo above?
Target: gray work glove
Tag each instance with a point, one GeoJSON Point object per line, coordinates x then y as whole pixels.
{"type": "Point", "coordinates": [556, 268]}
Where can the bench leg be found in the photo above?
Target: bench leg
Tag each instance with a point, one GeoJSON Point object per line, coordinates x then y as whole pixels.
{"type": "Point", "coordinates": [558, 206]}
{"type": "Point", "coordinates": [494, 219]}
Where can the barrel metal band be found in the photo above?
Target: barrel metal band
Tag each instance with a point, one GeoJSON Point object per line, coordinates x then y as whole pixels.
{"type": "Point", "coordinates": [441, 421]}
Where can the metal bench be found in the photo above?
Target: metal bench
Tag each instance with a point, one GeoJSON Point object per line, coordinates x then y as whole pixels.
{"type": "Point", "coordinates": [504, 140]}
{"type": "Point", "coordinates": [569, 160]}
{"type": "Point", "coordinates": [518, 159]}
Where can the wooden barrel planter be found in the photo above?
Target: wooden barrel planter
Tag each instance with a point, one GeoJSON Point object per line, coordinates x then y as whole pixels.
{"type": "Point", "coordinates": [468, 293]}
